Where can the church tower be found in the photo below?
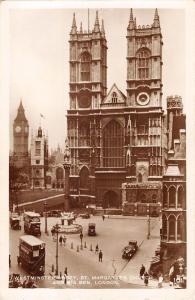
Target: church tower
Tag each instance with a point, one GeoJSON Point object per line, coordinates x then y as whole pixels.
{"type": "Point", "coordinates": [88, 88]}
{"type": "Point", "coordinates": [20, 135]}
{"type": "Point", "coordinates": [144, 98]}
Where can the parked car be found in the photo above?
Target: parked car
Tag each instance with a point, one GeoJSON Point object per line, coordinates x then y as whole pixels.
{"type": "Point", "coordinates": [85, 216]}
{"type": "Point", "coordinates": [130, 250]}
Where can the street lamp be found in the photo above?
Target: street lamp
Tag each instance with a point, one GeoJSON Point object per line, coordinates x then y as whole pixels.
{"type": "Point", "coordinates": [56, 230]}
{"type": "Point", "coordinates": [148, 235]}
{"type": "Point", "coordinates": [45, 209]}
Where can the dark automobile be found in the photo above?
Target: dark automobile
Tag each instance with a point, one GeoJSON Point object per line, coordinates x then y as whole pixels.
{"type": "Point", "coordinates": [15, 221]}
{"type": "Point", "coordinates": [85, 216]}
{"type": "Point", "coordinates": [91, 229]}
{"type": "Point", "coordinates": [130, 250]}
{"type": "Point", "coordinates": [54, 213]}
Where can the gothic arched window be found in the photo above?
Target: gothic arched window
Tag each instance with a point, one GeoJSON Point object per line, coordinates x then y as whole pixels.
{"type": "Point", "coordinates": [164, 196]}
{"type": "Point", "coordinates": [180, 227]}
{"type": "Point", "coordinates": [113, 142]}
{"type": "Point", "coordinates": [84, 134]}
{"type": "Point", "coordinates": [180, 194]}
{"type": "Point", "coordinates": [172, 228]}
{"type": "Point", "coordinates": [164, 227]}
{"type": "Point", "coordinates": [114, 97]}
{"type": "Point", "coordinates": [85, 66]}
{"type": "Point", "coordinates": [143, 64]}
{"type": "Point", "coordinates": [84, 178]}
{"type": "Point", "coordinates": [172, 196]}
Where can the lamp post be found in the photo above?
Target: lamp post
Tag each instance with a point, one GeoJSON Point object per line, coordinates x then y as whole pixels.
{"type": "Point", "coordinates": [56, 229]}
{"type": "Point", "coordinates": [67, 165]}
{"type": "Point", "coordinates": [148, 235]}
{"type": "Point", "coordinates": [45, 209]}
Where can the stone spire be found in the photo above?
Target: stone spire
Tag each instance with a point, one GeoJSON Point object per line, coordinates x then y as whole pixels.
{"type": "Point", "coordinates": [21, 114]}
{"type": "Point", "coordinates": [156, 22]}
{"type": "Point", "coordinates": [74, 26]}
{"type": "Point", "coordinates": [131, 20]}
{"type": "Point", "coordinates": [102, 29]}
{"type": "Point", "coordinates": [81, 28]}
{"type": "Point", "coordinates": [97, 25]}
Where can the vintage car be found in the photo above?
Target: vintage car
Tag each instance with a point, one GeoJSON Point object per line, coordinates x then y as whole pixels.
{"type": "Point", "coordinates": [91, 229]}
{"type": "Point", "coordinates": [130, 250]}
{"type": "Point", "coordinates": [54, 213]}
{"type": "Point", "coordinates": [85, 216]}
{"type": "Point", "coordinates": [15, 221]}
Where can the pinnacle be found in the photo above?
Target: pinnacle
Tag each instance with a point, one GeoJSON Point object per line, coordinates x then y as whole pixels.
{"type": "Point", "coordinates": [131, 14]}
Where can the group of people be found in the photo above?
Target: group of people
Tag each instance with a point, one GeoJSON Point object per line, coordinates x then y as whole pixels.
{"type": "Point", "coordinates": [62, 240]}
{"type": "Point", "coordinates": [145, 276]}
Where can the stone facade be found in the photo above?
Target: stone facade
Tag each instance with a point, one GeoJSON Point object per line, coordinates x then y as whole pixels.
{"type": "Point", "coordinates": [39, 160]}
{"type": "Point", "coordinates": [173, 238]}
{"type": "Point", "coordinates": [114, 138]}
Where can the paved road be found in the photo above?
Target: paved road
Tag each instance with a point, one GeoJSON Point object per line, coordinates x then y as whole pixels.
{"type": "Point", "coordinates": [112, 236]}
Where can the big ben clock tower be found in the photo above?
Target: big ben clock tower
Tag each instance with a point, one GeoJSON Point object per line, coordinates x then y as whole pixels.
{"type": "Point", "coordinates": [20, 134]}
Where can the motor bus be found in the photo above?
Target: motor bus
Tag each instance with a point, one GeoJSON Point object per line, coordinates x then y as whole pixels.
{"type": "Point", "coordinates": [32, 254]}
{"type": "Point", "coordinates": [32, 223]}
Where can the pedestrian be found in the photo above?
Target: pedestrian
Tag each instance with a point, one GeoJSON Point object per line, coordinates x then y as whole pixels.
{"type": "Point", "coordinates": [60, 240]}
{"type": "Point", "coordinates": [100, 255]}
{"type": "Point", "coordinates": [81, 236]}
{"type": "Point", "coordinates": [96, 249]}
{"type": "Point", "coordinates": [103, 217]}
{"type": "Point", "coordinates": [64, 240]}
{"type": "Point", "coordinates": [142, 271]}
{"type": "Point", "coordinates": [160, 281]}
{"type": "Point", "coordinates": [146, 278]}
{"type": "Point", "coordinates": [9, 260]}
{"type": "Point", "coordinates": [65, 275]}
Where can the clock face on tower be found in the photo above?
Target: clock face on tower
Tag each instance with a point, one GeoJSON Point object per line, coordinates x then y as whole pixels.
{"type": "Point", "coordinates": [143, 99]}
{"type": "Point", "coordinates": [18, 129]}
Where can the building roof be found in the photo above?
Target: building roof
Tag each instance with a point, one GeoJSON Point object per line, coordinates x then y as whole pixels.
{"type": "Point", "coordinates": [20, 115]}
{"type": "Point", "coordinates": [31, 240]}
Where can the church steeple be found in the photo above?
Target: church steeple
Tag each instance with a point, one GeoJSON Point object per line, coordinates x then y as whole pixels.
{"type": "Point", "coordinates": [74, 26]}
{"type": "Point", "coordinates": [156, 22]}
{"type": "Point", "coordinates": [97, 25]}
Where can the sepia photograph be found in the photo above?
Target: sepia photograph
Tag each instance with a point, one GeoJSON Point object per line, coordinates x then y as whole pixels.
{"type": "Point", "coordinates": [97, 149]}
{"type": "Point", "coordinates": [97, 165]}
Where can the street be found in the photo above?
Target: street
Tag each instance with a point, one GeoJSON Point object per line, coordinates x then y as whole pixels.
{"type": "Point", "coordinates": [84, 268]}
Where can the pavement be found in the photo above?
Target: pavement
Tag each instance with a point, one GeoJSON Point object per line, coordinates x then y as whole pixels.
{"type": "Point", "coordinates": [111, 238]}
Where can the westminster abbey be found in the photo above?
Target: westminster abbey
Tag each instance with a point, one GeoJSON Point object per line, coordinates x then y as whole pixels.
{"type": "Point", "coordinates": [116, 139]}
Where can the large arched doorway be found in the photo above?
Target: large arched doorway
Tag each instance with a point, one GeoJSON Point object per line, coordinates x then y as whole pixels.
{"type": "Point", "coordinates": [110, 200]}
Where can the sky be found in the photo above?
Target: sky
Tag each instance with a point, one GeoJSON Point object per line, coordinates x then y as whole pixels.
{"type": "Point", "coordinates": [39, 55]}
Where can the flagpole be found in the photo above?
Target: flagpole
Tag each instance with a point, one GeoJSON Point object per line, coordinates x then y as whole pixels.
{"type": "Point", "coordinates": [88, 19]}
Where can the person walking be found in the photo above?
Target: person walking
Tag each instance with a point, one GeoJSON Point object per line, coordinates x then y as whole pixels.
{"type": "Point", "coordinates": [103, 217]}
{"type": "Point", "coordinates": [96, 249]}
{"type": "Point", "coordinates": [142, 271]}
{"type": "Point", "coordinates": [64, 240]}
{"type": "Point", "coordinates": [65, 275]}
{"type": "Point", "coordinates": [146, 278]}
{"type": "Point", "coordinates": [100, 256]}
{"type": "Point", "coordinates": [60, 240]}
